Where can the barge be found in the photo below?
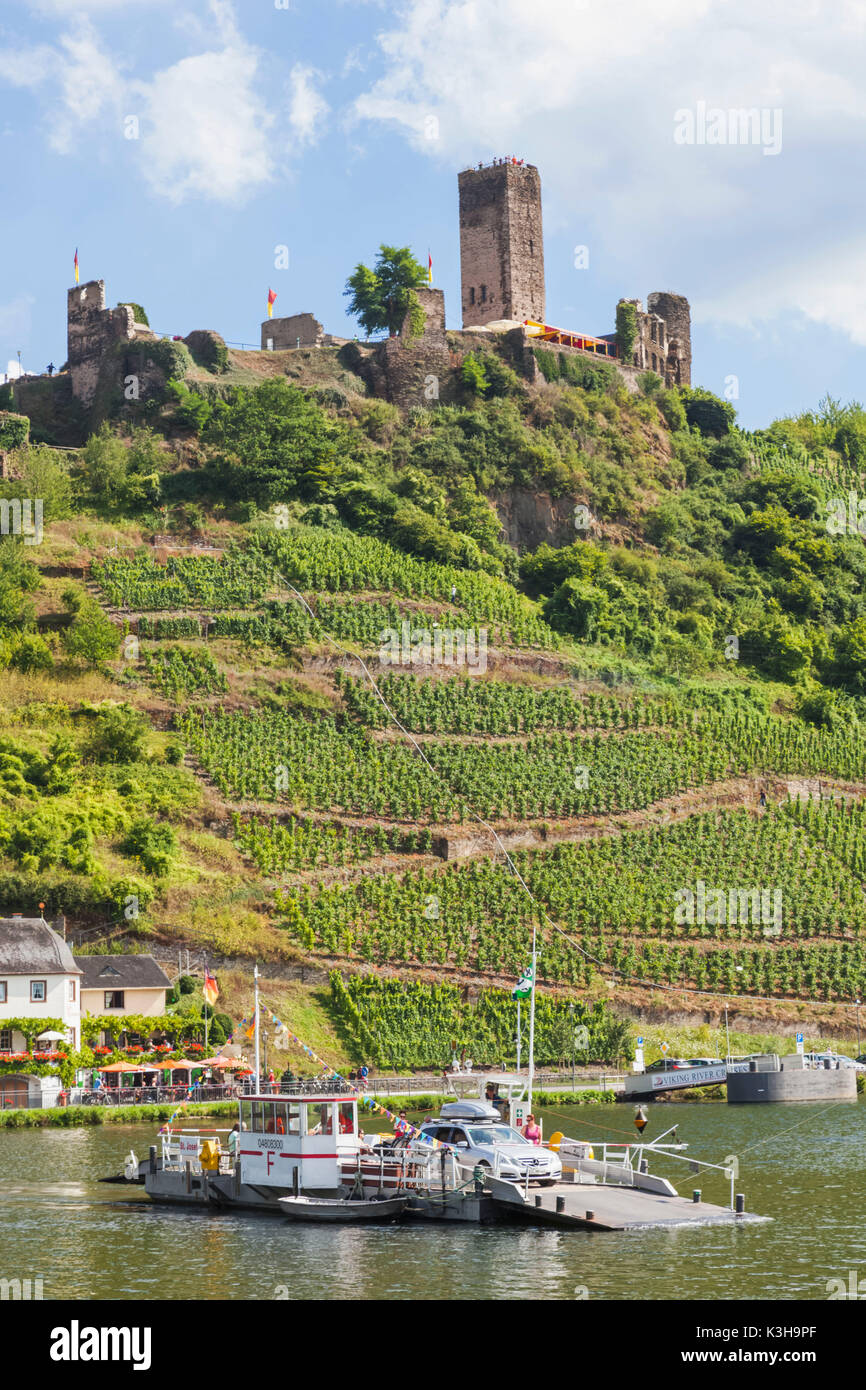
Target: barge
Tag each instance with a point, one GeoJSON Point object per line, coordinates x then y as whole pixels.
{"type": "Point", "coordinates": [309, 1144]}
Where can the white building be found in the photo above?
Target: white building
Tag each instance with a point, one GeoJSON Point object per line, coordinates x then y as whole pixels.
{"type": "Point", "coordinates": [38, 980]}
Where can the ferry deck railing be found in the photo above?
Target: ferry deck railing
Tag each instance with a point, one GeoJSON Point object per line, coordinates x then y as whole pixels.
{"type": "Point", "coordinates": [620, 1161]}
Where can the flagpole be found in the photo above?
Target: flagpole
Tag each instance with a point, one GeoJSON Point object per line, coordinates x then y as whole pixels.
{"type": "Point", "coordinates": [531, 1027]}
{"type": "Point", "coordinates": [256, 985]}
{"type": "Point", "coordinates": [518, 1037]}
{"type": "Point", "coordinates": [205, 1008]}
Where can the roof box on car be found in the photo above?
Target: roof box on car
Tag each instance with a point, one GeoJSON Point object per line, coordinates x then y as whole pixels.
{"type": "Point", "coordinates": [469, 1110]}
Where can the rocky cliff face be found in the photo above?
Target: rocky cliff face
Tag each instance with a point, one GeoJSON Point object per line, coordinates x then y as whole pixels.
{"type": "Point", "coordinates": [531, 518]}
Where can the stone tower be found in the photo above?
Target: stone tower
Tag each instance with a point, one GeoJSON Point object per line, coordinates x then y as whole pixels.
{"type": "Point", "coordinates": [673, 309]}
{"type": "Point", "coordinates": [501, 248]}
{"type": "Point", "coordinates": [91, 331]}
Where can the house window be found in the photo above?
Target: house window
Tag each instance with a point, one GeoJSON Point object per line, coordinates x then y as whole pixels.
{"type": "Point", "coordinates": [472, 295]}
{"type": "Point", "coordinates": [37, 991]}
{"type": "Point", "coordinates": [5, 1039]}
{"type": "Point", "coordinates": [71, 984]}
{"type": "Point", "coordinates": [114, 999]}
{"type": "Point", "coordinates": [483, 294]}
{"type": "Point", "coordinates": [4, 991]}
{"type": "Point", "coordinates": [531, 247]}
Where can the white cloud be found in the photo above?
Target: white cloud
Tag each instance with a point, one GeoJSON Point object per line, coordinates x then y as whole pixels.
{"type": "Point", "coordinates": [307, 107]}
{"type": "Point", "coordinates": [204, 127]}
{"type": "Point", "coordinates": [827, 287]}
{"type": "Point", "coordinates": [588, 91]}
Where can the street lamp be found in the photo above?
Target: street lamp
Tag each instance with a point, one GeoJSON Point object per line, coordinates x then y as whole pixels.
{"type": "Point", "coordinates": [571, 1023]}
{"type": "Point", "coordinates": [857, 1002]}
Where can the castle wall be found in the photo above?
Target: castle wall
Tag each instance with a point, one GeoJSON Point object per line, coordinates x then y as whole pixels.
{"type": "Point", "coordinates": [673, 310]}
{"type": "Point", "coordinates": [284, 333]}
{"type": "Point", "coordinates": [501, 244]}
{"type": "Point", "coordinates": [663, 344]}
{"type": "Point", "coordinates": [91, 331]}
{"type": "Point", "coordinates": [412, 370]}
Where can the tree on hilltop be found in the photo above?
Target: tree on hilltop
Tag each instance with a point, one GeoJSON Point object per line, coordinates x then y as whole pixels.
{"type": "Point", "coordinates": [381, 297]}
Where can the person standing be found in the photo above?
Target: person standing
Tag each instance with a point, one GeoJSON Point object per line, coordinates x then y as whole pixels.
{"type": "Point", "coordinates": [531, 1131]}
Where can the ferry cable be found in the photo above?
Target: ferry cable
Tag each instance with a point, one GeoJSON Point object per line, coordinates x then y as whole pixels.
{"type": "Point", "coordinates": [603, 966]}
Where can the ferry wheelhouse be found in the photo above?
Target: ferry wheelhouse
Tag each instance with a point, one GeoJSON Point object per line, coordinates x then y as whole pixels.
{"type": "Point", "coordinates": [285, 1143]}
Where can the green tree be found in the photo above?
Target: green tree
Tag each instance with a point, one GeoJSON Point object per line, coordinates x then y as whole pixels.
{"type": "Point", "coordinates": [91, 636]}
{"type": "Point", "coordinates": [707, 412]}
{"type": "Point", "coordinates": [381, 297]}
{"type": "Point", "coordinates": [473, 375]}
{"type": "Point", "coordinates": [118, 735]}
{"type": "Point", "coordinates": [277, 443]}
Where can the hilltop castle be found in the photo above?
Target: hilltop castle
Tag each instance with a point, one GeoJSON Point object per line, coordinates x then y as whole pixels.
{"type": "Point", "coordinates": [502, 293]}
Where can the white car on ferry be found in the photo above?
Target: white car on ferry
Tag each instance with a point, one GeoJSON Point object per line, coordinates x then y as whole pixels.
{"type": "Point", "coordinates": [480, 1139]}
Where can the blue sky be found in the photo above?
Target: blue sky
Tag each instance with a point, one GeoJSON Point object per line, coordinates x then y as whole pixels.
{"type": "Point", "coordinates": [332, 125]}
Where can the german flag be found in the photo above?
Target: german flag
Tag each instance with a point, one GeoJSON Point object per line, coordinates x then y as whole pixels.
{"type": "Point", "coordinates": [75, 263]}
{"type": "Point", "coordinates": [272, 294]}
{"type": "Point", "coordinates": [429, 269]}
{"type": "Point", "coordinates": [210, 989]}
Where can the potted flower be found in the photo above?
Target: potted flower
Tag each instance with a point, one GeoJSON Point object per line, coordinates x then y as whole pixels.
{"type": "Point", "coordinates": [195, 1047]}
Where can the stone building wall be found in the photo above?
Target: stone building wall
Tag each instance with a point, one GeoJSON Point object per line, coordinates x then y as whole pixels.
{"type": "Point", "coordinates": [501, 245]}
{"type": "Point", "coordinates": [410, 370]}
{"type": "Point", "coordinates": [663, 343]}
{"type": "Point", "coordinates": [91, 330]}
{"type": "Point", "coordinates": [284, 333]}
{"type": "Point", "coordinates": [673, 310]}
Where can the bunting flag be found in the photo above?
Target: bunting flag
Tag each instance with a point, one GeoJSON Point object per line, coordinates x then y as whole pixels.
{"type": "Point", "coordinates": [429, 269]}
{"type": "Point", "coordinates": [75, 263]}
{"type": "Point", "coordinates": [272, 294]}
{"type": "Point", "coordinates": [210, 989]}
{"type": "Point", "coordinates": [523, 988]}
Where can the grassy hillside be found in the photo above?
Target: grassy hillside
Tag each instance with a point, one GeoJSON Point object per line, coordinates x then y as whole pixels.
{"type": "Point", "coordinates": [192, 752]}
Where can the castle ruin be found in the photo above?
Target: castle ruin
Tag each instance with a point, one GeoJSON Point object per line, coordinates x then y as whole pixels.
{"type": "Point", "coordinates": [501, 244]}
{"type": "Point", "coordinates": [91, 332]}
{"type": "Point", "coordinates": [502, 286]}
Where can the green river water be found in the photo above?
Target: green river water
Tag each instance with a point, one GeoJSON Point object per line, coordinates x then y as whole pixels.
{"type": "Point", "coordinates": [803, 1166]}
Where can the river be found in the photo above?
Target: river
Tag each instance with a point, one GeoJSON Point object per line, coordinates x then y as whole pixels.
{"type": "Point", "coordinates": [800, 1165]}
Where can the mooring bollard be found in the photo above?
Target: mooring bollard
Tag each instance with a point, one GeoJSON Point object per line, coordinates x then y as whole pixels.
{"type": "Point", "coordinates": [560, 1204]}
{"type": "Point", "coordinates": [153, 1158]}
{"type": "Point", "coordinates": [590, 1216]}
{"type": "Point", "coordinates": [741, 1203]}
{"type": "Point", "coordinates": [696, 1195]}
{"type": "Point", "coordinates": [643, 1166]}
{"type": "Point", "coordinates": [537, 1201]}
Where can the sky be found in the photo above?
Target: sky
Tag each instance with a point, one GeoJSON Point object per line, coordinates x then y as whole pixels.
{"type": "Point", "coordinates": [179, 144]}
